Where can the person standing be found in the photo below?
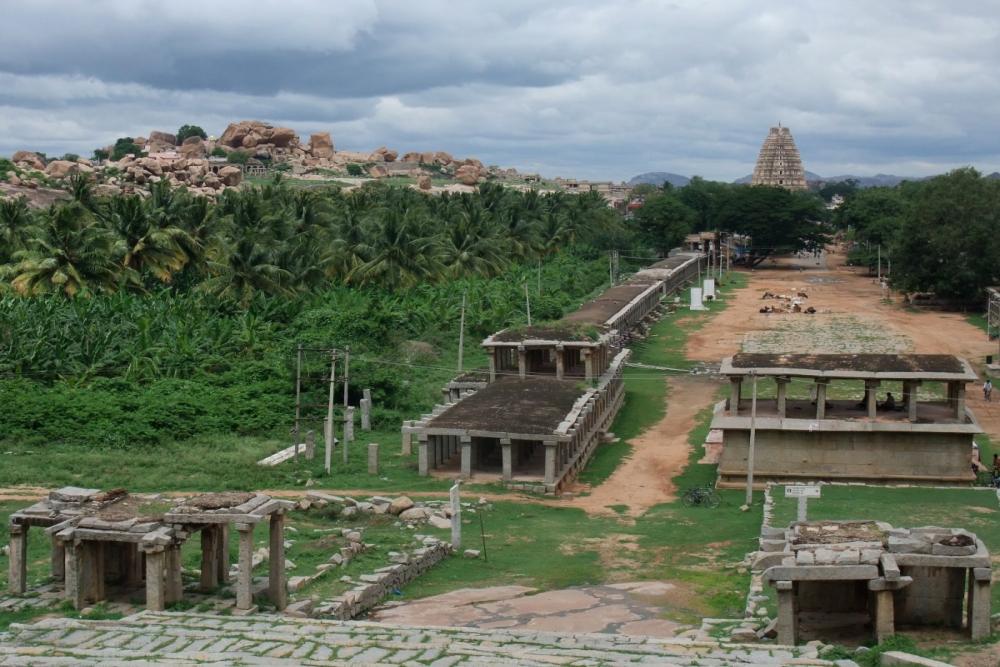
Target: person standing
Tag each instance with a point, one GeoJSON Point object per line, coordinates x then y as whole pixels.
{"type": "Point", "coordinates": [988, 390]}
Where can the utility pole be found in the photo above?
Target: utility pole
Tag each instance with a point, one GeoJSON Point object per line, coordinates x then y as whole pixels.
{"type": "Point", "coordinates": [527, 303]}
{"type": "Point", "coordinates": [461, 334]}
{"type": "Point", "coordinates": [347, 372]}
{"type": "Point", "coordinates": [330, 430]}
{"type": "Point", "coordinates": [753, 439]}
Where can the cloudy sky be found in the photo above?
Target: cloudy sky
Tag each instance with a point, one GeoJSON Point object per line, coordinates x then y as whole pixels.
{"type": "Point", "coordinates": [587, 88]}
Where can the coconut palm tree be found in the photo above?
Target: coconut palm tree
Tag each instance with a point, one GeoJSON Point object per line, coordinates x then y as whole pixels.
{"type": "Point", "coordinates": [148, 238]}
{"type": "Point", "coordinates": [401, 250]}
{"type": "Point", "coordinates": [71, 254]}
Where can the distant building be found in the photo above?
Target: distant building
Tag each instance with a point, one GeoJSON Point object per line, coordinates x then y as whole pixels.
{"type": "Point", "coordinates": [779, 163]}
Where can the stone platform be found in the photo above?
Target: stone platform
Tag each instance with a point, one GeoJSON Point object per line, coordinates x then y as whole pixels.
{"type": "Point", "coordinates": [163, 638]}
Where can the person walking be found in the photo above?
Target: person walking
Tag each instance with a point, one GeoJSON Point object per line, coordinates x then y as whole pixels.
{"type": "Point", "coordinates": [988, 390]}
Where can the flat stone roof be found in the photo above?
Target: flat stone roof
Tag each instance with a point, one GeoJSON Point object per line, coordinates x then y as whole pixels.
{"type": "Point", "coordinates": [512, 405]}
{"type": "Point", "coordinates": [673, 262]}
{"type": "Point", "coordinates": [874, 366]}
{"type": "Point", "coordinates": [580, 332]}
{"type": "Point", "coordinates": [607, 305]}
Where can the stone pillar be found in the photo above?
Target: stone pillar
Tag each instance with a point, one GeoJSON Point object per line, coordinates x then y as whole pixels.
{"type": "Point", "coordinates": [885, 617]}
{"type": "Point", "coordinates": [310, 445]}
{"type": "Point", "coordinates": [175, 586]}
{"type": "Point", "coordinates": [423, 461]}
{"type": "Point", "coordinates": [911, 400]}
{"type": "Point", "coordinates": [787, 626]}
{"type": "Point", "coordinates": [821, 397]}
{"type": "Point", "coordinates": [782, 386]}
{"type": "Point", "coordinates": [871, 394]}
{"type": "Point", "coordinates": [91, 572]}
{"type": "Point", "coordinates": [277, 589]}
{"type": "Point", "coordinates": [74, 570]}
{"type": "Point", "coordinates": [960, 402]}
{"type": "Point", "coordinates": [18, 566]}
{"type": "Point", "coordinates": [560, 361]}
{"type": "Point", "coordinates": [372, 458]}
{"type": "Point", "coordinates": [366, 414]}
{"type": "Point", "coordinates": [550, 461]}
{"type": "Point", "coordinates": [58, 559]}
{"type": "Point", "coordinates": [466, 456]}
{"type": "Point", "coordinates": [349, 425]}
{"type": "Point", "coordinates": [588, 364]}
{"type": "Point", "coordinates": [407, 439]}
{"type": "Point", "coordinates": [493, 364]}
{"type": "Point", "coordinates": [244, 583]}
{"type": "Point", "coordinates": [209, 558]}
{"type": "Point", "coordinates": [505, 456]}
{"type": "Point", "coordinates": [155, 593]}
{"type": "Point", "coordinates": [979, 602]}
{"type": "Point", "coordinates": [522, 362]}
{"type": "Point", "coordinates": [735, 384]}
{"type": "Point", "coordinates": [222, 549]}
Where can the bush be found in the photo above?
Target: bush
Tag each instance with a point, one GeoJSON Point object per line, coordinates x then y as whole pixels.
{"type": "Point", "coordinates": [101, 154]}
{"type": "Point", "coordinates": [125, 146]}
{"type": "Point", "coordinates": [218, 152]}
{"type": "Point", "coordinates": [355, 170]}
{"type": "Point", "coordinates": [237, 157]}
{"type": "Point", "coordinates": [70, 157]}
{"type": "Point", "coordinates": [186, 131]}
{"type": "Point", "coordinates": [5, 166]}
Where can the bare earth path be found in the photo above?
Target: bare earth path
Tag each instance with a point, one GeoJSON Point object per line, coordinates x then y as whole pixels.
{"type": "Point", "coordinates": [645, 478]}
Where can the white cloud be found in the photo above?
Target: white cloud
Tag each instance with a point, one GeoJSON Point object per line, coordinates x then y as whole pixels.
{"type": "Point", "coordinates": [583, 88]}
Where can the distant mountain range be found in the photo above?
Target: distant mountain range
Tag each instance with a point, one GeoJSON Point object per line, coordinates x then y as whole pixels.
{"type": "Point", "coordinates": [658, 178]}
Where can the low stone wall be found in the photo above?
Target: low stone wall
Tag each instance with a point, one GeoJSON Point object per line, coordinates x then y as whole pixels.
{"type": "Point", "coordinates": [377, 586]}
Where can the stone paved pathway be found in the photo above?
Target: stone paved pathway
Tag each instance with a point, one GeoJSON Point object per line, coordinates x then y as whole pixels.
{"type": "Point", "coordinates": [165, 638]}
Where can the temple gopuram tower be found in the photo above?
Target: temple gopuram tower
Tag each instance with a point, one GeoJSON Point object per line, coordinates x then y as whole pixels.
{"type": "Point", "coordinates": [779, 162]}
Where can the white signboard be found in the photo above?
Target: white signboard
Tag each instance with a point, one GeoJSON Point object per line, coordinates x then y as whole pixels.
{"type": "Point", "coordinates": [802, 491]}
{"type": "Point", "coordinates": [709, 287]}
{"type": "Point", "coordinates": [696, 303]}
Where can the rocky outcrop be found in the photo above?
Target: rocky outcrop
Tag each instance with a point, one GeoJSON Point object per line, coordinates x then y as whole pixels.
{"type": "Point", "coordinates": [62, 169]}
{"type": "Point", "coordinates": [424, 182]}
{"type": "Point", "coordinates": [193, 147]}
{"type": "Point", "coordinates": [321, 145]}
{"type": "Point", "coordinates": [467, 174]}
{"type": "Point", "coordinates": [159, 142]}
{"type": "Point", "coordinates": [377, 171]}
{"type": "Point", "coordinates": [231, 176]}
{"type": "Point", "coordinates": [28, 159]}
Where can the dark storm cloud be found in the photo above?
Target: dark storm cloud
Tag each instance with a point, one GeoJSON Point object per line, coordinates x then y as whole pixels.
{"type": "Point", "coordinates": [581, 88]}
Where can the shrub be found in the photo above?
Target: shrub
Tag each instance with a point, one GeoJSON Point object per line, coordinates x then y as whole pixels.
{"type": "Point", "coordinates": [186, 131]}
{"type": "Point", "coordinates": [5, 166]}
{"type": "Point", "coordinates": [101, 154]}
{"type": "Point", "coordinates": [70, 157]}
{"type": "Point", "coordinates": [355, 169]}
{"type": "Point", "coordinates": [237, 157]}
{"type": "Point", "coordinates": [218, 151]}
{"type": "Point", "coordinates": [124, 146]}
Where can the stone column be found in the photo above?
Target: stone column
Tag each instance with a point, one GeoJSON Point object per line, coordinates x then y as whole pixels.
{"type": "Point", "coordinates": [493, 364]}
{"type": "Point", "coordinates": [782, 386]}
{"type": "Point", "coordinates": [871, 393]}
{"type": "Point", "coordinates": [372, 458]}
{"type": "Point", "coordinates": [155, 593]}
{"type": "Point", "coordinates": [73, 568]}
{"type": "Point", "coordinates": [979, 602]}
{"type": "Point", "coordinates": [505, 456]}
{"type": "Point", "coordinates": [175, 586]}
{"type": "Point", "coordinates": [244, 583]}
{"type": "Point", "coordinates": [911, 400]}
{"type": "Point", "coordinates": [466, 456]}
{"type": "Point", "coordinates": [560, 361]}
{"type": "Point", "coordinates": [588, 364]}
{"type": "Point", "coordinates": [349, 425]}
{"type": "Point", "coordinates": [90, 576]}
{"type": "Point", "coordinates": [366, 414]}
{"type": "Point", "coordinates": [885, 617]}
{"type": "Point", "coordinates": [821, 397]}
{"type": "Point", "coordinates": [18, 566]}
{"type": "Point", "coordinates": [58, 559]}
{"type": "Point", "coordinates": [277, 589]}
{"type": "Point", "coordinates": [522, 362]}
{"type": "Point", "coordinates": [735, 384]}
{"type": "Point", "coordinates": [960, 402]}
{"type": "Point", "coordinates": [209, 558]}
{"type": "Point", "coordinates": [423, 462]}
{"type": "Point", "coordinates": [550, 461]}
{"type": "Point", "coordinates": [222, 551]}
{"type": "Point", "coordinates": [787, 617]}
{"type": "Point", "coordinates": [407, 439]}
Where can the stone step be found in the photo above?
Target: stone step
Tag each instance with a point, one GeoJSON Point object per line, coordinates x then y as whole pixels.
{"type": "Point", "coordinates": [181, 638]}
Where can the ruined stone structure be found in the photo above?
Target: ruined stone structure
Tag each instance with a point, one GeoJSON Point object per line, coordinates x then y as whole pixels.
{"type": "Point", "coordinates": [778, 162]}
{"type": "Point", "coordinates": [105, 539]}
{"type": "Point", "coordinates": [922, 442]}
{"type": "Point", "coordinates": [537, 414]}
{"type": "Point", "coordinates": [832, 576]}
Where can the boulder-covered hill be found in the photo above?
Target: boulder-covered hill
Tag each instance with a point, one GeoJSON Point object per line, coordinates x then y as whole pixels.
{"type": "Point", "coordinates": [658, 178]}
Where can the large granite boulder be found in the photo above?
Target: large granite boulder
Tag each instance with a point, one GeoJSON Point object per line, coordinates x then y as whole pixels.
{"type": "Point", "coordinates": [321, 145]}
{"type": "Point", "coordinates": [61, 168]}
{"type": "Point", "coordinates": [230, 175]}
{"type": "Point", "coordinates": [28, 159]}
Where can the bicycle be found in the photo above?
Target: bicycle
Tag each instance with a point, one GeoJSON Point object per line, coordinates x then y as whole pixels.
{"type": "Point", "coordinates": [701, 496]}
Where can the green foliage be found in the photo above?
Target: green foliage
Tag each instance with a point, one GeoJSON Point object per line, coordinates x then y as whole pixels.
{"type": "Point", "coordinates": [237, 157]}
{"type": "Point", "coordinates": [5, 166]}
{"type": "Point", "coordinates": [70, 157]}
{"type": "Point", "coordinates": [218, 151]}
{"type": "Point", "coordinates": [779, 221]}
{"type": "Point", "coordinates": [186, 131]}
{"type": "Point", "coordinates": [125, 146]}
{"type": "Point", "coordinates": [354, 169]}
{"type": "Point", "coordinates": [101, 154]}
{"type": "Point", "coordinates": [664, 220]}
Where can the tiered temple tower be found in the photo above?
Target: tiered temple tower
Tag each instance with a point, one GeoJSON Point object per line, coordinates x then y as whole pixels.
{"type": "Point", "coordinates": [779, 162]}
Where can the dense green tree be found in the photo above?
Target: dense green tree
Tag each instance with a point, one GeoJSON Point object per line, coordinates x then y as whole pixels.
{"type": "Point", "coordinates": [663, 221]}
{"type": "Point", "coordinates": [125, 146]}
{"type": "Point", "coordinates": [779, 221]}
{"type": "Point", "coordinates": [186, 131]}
